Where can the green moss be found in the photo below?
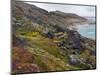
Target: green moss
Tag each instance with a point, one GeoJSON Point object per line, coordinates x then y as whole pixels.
{"type": "Point", "coordinates": [46, 53]}
{"type": "Point", "coordinates": [47, 61]}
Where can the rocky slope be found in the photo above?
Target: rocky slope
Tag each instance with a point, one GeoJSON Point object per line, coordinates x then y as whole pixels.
{"type": "Point", "coordinates": [42, 41]}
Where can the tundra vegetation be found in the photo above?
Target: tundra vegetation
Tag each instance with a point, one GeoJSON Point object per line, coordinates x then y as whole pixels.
{"type": "Point", "coordinates": [43, 42]}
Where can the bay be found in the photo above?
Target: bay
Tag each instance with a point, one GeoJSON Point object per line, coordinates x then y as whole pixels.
{"type": "Point", "coordinates": [88, 31]}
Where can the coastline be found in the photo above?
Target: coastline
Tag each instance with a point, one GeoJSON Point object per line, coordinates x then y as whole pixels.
{"type": "Point", "coordinates": [81, 28]}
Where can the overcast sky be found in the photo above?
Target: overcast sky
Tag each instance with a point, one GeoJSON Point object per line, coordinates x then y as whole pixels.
{"type": "Point", "coordinates": [80, 10]}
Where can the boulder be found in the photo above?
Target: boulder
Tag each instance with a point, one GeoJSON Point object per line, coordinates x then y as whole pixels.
{"type": "Point", "coordinates": [74, 59]}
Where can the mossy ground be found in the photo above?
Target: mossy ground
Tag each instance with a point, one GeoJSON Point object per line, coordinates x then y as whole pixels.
{"type": "Point", "coordinates": [45, 51]}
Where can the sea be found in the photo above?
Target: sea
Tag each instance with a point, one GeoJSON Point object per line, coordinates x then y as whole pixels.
{"type": "Point", "coordinates": [88, 31]}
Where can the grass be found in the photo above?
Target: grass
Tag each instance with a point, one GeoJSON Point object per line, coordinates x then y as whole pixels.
{"type": "Point", "coordinates": [46, 53]}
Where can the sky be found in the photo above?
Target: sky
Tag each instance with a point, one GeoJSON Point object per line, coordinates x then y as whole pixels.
{"type": "Point", "coordinates": [77, 9]}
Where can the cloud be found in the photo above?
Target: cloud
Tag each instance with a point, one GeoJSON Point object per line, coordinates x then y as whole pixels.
{"type": "Point", "coordinates": [77, 9]}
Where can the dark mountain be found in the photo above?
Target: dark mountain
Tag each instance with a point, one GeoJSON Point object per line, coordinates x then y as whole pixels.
{"type": "Point", "coordinates": [42, 16]}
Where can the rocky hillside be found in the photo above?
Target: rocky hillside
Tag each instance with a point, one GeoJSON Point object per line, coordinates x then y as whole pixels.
{"type": "Point", "coordinates": [42, 41]}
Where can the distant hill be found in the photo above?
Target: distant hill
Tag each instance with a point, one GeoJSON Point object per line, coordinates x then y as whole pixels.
{"type": "Point", "coordinates": [37, 14]}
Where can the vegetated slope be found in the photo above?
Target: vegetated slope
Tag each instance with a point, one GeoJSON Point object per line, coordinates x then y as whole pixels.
{"type": "Point", "coordinates": [42, 42]}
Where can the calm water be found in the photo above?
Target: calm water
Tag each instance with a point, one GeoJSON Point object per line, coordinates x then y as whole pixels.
{"type": "Point", "coordinates": [87, 31]}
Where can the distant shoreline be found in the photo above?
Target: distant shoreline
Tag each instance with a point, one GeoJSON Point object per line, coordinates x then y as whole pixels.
{"type": "Point", "coordinates": [84, 34]}
{"type": "Point", "coordinates": [74, 26]}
